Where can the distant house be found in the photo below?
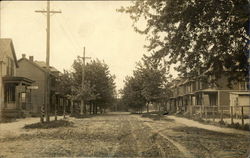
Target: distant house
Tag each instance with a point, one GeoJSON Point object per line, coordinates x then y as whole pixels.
{"type": "Point", "coordinates": [188, 93]}
{"type": "Point", "coordinates": [239, 100]}
{"type": "Point", "coordinates": [14, 92]}
{"type": "Point", "coordinates": [36, 70]}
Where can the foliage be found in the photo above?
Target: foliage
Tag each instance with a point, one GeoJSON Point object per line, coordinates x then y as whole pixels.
{"type": "Point", "coordinates": [64, 82]}
{"type": "Point", "coordinates": [196, 35]}
{"type": "Point", "coordinates": [47, 125]}
{"type": "Point", "coordinates": [146, 85]}
{"type": "Point", "coordinates": [99, 86]}
{"type": "Point", "coordinates": [132, 93]}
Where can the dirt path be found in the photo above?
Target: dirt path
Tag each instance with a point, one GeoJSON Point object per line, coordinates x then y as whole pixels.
{"type": "Point", "coordinates": [191, 123]}
{"type": "Point", "coordinates": [181, 148]}
{"type": "Point", "coordinates": [202, 141]}
{"type": "Point", "coordinates": [121, 135]}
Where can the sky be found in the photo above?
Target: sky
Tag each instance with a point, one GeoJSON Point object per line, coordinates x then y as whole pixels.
{"type": "Point", "coordinates": [96, 25]}
{"type": "Point", "coordinates": [107, 34]}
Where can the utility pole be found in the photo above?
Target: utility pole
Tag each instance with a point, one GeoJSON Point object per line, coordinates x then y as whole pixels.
{"type": "Point", "coordinates": [0, 18]}
{"type": "Point", "coordinates": [83, 106]}
{"type": "Point", "coordinates": [48, 13]}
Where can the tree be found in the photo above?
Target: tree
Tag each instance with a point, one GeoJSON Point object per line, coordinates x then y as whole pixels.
{"type": "Point", "coordinates": [132, 94]}
{"type": "Point", "coordinates": [63, 86]}
{"type": "Point", "coordinates": [64, 83]}
{"type": "Point", "coordinates": [195, 34]}
{"type": "Point", "coordinates": [153, 75]}
{"type": "Point", "coordinates": [147, 85]}
{"type": "Point", "coordinates": [99, 86]}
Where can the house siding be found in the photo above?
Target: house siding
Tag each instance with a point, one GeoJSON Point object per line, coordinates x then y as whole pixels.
{"type": "Point", "coordinates": [26, 69]}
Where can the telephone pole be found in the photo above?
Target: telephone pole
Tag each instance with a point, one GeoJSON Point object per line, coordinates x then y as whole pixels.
{"type": "Point", "coordinates": [48, 13]}
{"type": "Point", "coordinates": [83, 75]}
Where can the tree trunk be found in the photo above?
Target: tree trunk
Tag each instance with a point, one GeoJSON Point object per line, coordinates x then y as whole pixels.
{"type": "Point", "coordinates": [71, 107]}
{"type": "Point", "coordinates": [93, 109]}
{"type": "Point", "coordinates": [147, 107]}
{"type": "Point", "coordinates": [96, 110]}
{"type": "Point", "coordinates": [64, 109]}
{"type": "Point", "coordinates": [90, 108]}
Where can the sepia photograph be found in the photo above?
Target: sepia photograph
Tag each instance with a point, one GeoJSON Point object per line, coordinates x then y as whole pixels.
{"type": "Point", "coordinates": [125, 78]}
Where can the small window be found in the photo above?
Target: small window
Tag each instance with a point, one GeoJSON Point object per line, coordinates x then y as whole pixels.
{"type": "Point", "coordinates": [243, 86]}
{"type": "Point", "coordinates": [9, 93]}
{"type": "Point", "coordinates": [23, 97]}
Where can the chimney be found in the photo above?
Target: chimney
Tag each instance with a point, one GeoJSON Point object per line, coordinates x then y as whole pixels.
{"type": "Point", "coordinates": [23, 56]}
{"type": "Point", "coordinates": [31, 58]}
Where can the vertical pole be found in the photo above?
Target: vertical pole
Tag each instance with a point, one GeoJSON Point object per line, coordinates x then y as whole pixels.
{"type": "Point", "coordinates": [47, 63]}
{"type": "Point", "coordinates": [71, 107]}
{"type": "Point", "coordinates": [42, 114]}
{"type": "Point", "coordinates": [0, 18]}
{"type": "Point", "coordinates": [221, 114]}
{"type": "Point", "coordinates": [205, 109]}
{"type": "Point", "coordinates": [231, 112]}
{"type": "Point", "coordinates": [147, 107]}
{"type": "Point", "coordinates": [56, 108]}
{"type": "Point", "coordinates": [83, 65]}
{"type": "Point", "coordinates": [242, 115]}
{"type": "Point", "coordinates": [64, 108]}
{"type": "Point", "coordinates": [200, 111]}
{"type": "Point", "coordinates": [213, 115]}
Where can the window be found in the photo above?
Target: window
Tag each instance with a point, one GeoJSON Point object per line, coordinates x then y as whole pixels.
{"type": "Point", "coordinates": [9, 92]}
{"type": "Point", "coordinates": [10, 67]}
{"type": "Point", "coordinates": [244, 86]}
{"type": "Point", "coordinates": [23, 97]}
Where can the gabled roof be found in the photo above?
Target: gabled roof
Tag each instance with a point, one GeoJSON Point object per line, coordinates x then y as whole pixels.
{"type": "Point", "coordinates": [33, 63]}
{"type": "Point", "coordinates": [6, 45]}
{"type": "Point", "coordinates": [40, 65]}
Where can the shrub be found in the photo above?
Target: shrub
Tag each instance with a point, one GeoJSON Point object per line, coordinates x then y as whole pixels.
{"type": "Point", "coordinates": [51, 124]}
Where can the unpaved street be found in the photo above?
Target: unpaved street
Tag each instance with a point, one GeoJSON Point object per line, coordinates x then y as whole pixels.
{"type": "Point", "coordinates": [124, 135]}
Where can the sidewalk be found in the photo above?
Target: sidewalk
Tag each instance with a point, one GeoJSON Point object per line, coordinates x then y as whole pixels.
{"type": "Point", "coordinates": [192, 123]}
{"type": "Point", "coordinates": [16, 128]}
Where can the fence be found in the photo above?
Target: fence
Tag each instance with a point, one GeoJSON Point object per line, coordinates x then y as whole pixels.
{"type": "Point", "coordinates": [229, 114]}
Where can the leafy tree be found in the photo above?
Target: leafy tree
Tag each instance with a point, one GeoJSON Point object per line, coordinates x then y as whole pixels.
{"type": "Point", "coordinates": [99, 86]}
{"type": "Point", "coordinates": [64, 83]}
{"type": "Point", "coordinates": [132, 94]}
{"type": "Point", "coordinates": [196, 34]}
{"type": "Point", "coordinates": [153, 76]}
{"type": "Point", "coordinates": [147, 85]}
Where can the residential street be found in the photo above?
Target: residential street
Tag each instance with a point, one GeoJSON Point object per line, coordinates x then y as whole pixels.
{"type": "Point", "coordinates": [123, 135]}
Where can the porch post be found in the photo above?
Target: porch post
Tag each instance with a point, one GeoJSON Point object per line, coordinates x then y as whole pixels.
{"type": "Point", "coordinates": [218, 106]}
{"type": "Point", "coordinates": [218, 99]}
{"type": "Point", "coordinates": [17, 96]}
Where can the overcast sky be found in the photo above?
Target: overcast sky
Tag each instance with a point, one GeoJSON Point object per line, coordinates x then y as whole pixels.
{"type": "Point", "coordinates": [106, 34]}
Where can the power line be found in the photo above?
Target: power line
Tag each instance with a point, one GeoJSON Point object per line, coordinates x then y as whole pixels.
{"type": "Point", "coordinates": [71, 40]}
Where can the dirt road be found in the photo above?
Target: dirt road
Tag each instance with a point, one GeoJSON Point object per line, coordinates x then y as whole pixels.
{"type": "Point", "coordinates": [124, 135]}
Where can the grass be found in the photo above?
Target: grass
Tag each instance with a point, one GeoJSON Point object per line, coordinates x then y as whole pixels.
{"type": "Point", "coordinates": [51, 124]}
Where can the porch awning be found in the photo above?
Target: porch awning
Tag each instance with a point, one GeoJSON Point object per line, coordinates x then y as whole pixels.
{"type": "Point", "coordinates": [18, 80]}
{"type": "Point", "coordinates": [240, 93]}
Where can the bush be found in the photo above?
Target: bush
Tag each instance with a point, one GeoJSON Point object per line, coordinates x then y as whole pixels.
{"type": "Point", "coordinates": [221, 122]}
{"type": "Point", "coordinates": [246, 127]}
{"type": "Point", "coordinates": [51, 124]}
